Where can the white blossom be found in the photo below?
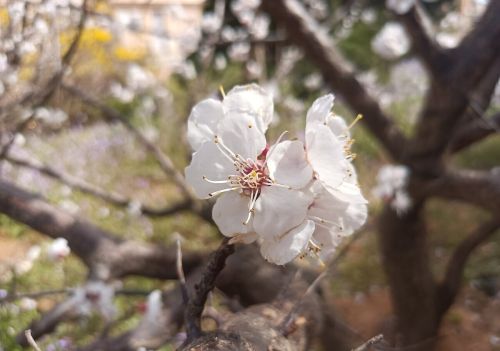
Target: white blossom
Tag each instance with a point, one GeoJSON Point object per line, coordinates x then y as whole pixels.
{"type": "Point", "coordinates": [95, 296]}
{"type": "Point", "coordinates": [339, 207]}
{"type": "Point", "coordinates": [239, 51]}
{"type": "Point", "coordinates": [391, 187]}
{"type": "Point", "coordinates": [27, 304]}
{"type": "Point", "coordinates": [262, 189]}
{"type": "Point", "coordinates": [220, 62]}
{"type": "Point", "coordinates": [279, 195]}
{"type": "Point", "coordinates": [259, 27]}
{"type": "Point", "coordinates": [58, 249]}
{"type": "Point", "coordinates": [391, 42]}
{"type": "Point", "coordinates": [51, 116]}
{"type": "Point", "coordinates": [254, 69]}
{"type": "Point", "coordinates": [400, 6]}
{"type": "Point", "coordinates": [121, 93]}
{"type": "Point", "coordinates": [211, 22]}
{"type": "Point", "coordinates": [313, 81]}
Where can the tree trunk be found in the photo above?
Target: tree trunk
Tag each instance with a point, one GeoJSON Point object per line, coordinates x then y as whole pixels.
{"type": "Point", "coordinates": [403, 244]}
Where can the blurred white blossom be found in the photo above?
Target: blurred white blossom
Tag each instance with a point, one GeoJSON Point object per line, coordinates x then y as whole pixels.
{"type": "Point", "coordinates": [95, 296]}
{"type": "Point", "coordinates": [268, 193]}
{"type": "Point", "coordinates": [391, 187]}
{"type": "Point", "coordinates": [239, 51]}
{"type": "Point", "coordinates": [391, 42]}
{"type": "Point", "coordinates": [400, 6]}
{"type": "Point", "coordinates": [58, 249]}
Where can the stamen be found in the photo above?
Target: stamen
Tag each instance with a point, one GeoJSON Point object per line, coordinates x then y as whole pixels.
{"type": "Point", "coordinates": [222, 191]}
{"type": "Point", "coordinates": [273, 183]}
{"type": "Point", "coordinates": [221, 89]}
{"type": "Point", "coordinates": [217, 181]}
{"type": "Point", "coordinates": [322, 221]}
{"type": "Point", "coordinates": [356, 120]}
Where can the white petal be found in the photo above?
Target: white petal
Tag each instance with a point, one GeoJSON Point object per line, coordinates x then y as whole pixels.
{"type": "Point", "coordinates": [203, 121]}
{"type": "Point", "coordinates": [338, 126]}
{"type": "Point", "coordinates": [240, 134]}
{"type": "Point", "coordinates": [320, 109]}
{"type": "Point", "coordinates": [278, 210]}
{"type": "Point", "coordinates": [327, 240]}
{"type": "Point", "coordinates": [253, 100]}
{"type": "Point", "coordinates": [229, 213]}
{"type": "Point", "coordinates": [326, 155]}
{"type": "Point", "coordinates": [247, 238]}
{"type": "Point", "coordinates": [288, 165]}
{"type": "Point", "coordinates": [284, 249]}
{"type": "Point", "coordinates": [354, 218]}
{"type": "Point", "coordinates": [342, 216]}
{"type": "Point", "coordinates": [208, 161]}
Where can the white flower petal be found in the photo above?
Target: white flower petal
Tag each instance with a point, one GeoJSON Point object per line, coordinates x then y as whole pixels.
{"type": "Point", "coordinates": [284, 249]}
{"type": "Point", "coordinates": [320, 109]}
{"type": "Point", "coordinates": [338, 126]}
{"type": "Point", "coordinates": [229, 213]}
{"type": "Point", "coordinates": [203, 121]}
{"type": "Point", "coordinates": [326, 155]}
{"type": "Point", "coordinates": [327, 240]}
{"type": "Point", "coordinates": [253, 100]}
{"type": "Point", "coordinates": [288, 165]}
{"type": "Point", "coordinates": [278, 210]}
{"type": "Point", "coordinates": [208, 161]}
{"type": "Point", "coordinates": [240, 134]}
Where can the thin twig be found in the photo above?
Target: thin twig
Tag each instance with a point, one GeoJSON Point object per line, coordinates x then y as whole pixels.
{"type": "Point", "coordinates": [371, 342]}
{"type": "Point", "coordinates": [180, 273]}
{"type": "Point", "coordinates": [31, 341]}
{"type": "Point", "coordinates": [161, 158]}
{"type": "Point", "coordinates": [197, 301]}
{"type": "Point", "coordinates": [113, 198]}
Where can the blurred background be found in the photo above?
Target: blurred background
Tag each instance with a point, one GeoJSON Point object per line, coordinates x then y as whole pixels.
{"type": "Point", "coordinates": [94, 99]}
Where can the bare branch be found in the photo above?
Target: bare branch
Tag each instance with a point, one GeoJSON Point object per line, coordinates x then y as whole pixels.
{"type": "Point", "coordinates": [367, 345]}
{"type": "Point", "coordinates": [180, 274]}
{"type": "Point", "coordinates": [31, 341]}
{"type": "Point", "coordinates": [194, 309]}
{"type": "Point", "coordinates": [480, 188]}
{"type": "Point", "coordinates": [306, 33]}
{"type": "Point", "coordinates": [435, 58]}
{"type": "Point", "coordinates": [162, 159]}
{"type": "Point", "coordinates": [93, 190]}
{"type": "Point", "coordinates": [449, 287]}
{"type": "Point", "coordinates": [475, 131]}
{"type": "Point", "coordinates": [479, 49]}
{"type": "Point", "coordinates": [104, 253]}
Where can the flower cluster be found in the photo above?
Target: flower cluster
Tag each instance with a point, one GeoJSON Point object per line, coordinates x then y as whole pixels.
{"type": "Point", "coordinates": [391, 187]}
{"type": "Point", "coordinates": [295, 198]}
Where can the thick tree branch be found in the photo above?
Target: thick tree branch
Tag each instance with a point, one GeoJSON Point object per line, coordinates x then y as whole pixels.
{"type": "Point", "coordinates": [307, 34]}
{"type": "Point", "coordinates": [105, 254]}
{"type": "Point", "coordinates": [435, 58]}
{"type": "Point", "coordinates": [449, 287]}
{"type": "Point", "coordinates": [479, 49]}
{"type": "Point", "coordinates": [475, 131]}
{"type": "Point", "coordinates": [480, 188]}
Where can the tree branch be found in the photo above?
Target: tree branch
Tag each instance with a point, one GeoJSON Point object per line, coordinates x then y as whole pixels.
{"type": "Point", "coordinates": [449, 287]}
{"type": "Point", "coordinates": [93, 190]}
{"type": "Point", "coordinates": [104, 253]}
{"type": "Point", "coordinates": [307, 34]}
{"type": "Point", "coordinates": [475, 131]}
{"type": "Point", "coordinates": [435, 58]}
{"type": "Point", "coordinates": [162, 159]}
{"type": "Point", "coordinates": [480, 188]}
{"type": "Point", "coordinates": [196, 303]}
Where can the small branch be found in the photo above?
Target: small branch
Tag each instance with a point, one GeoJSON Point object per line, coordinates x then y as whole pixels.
{"type": "Point", "coordinates": [33, 295]}
{"type": "Point", "coordinates": [93, 190]}
{"type": "Point", "coordinates": [180, 273]}
{"type": "Point", "coordinates": [456, 265]}
{"type": "Point", "coordinates": [162, 159]}
{"type": "Point", "coordinates": [31, 341]}
{"type": "Point", "coordinates": [197, 301]}
{"type": "Point", "coordinates": [373, 341]}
